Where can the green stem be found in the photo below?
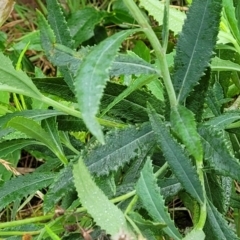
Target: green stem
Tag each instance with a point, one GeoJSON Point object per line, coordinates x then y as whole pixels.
{"type": "Point", "coordinates": [162, 170]}
{"type": "Point", "coordinates": [77, 114]}
{"type": "Point", "coordinates": [26, 221]}
{"type": "Point", "coordinates": [159, 51]}
{"type": "Point", "coordinates": [19, 233]}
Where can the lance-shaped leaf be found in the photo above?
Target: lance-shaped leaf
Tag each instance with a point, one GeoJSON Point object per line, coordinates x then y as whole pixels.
{"type": "Point", "coordinates": [218, 154]}
{"type": "Point", "coordinates": [216, 226]}
{"type": "Point", "coordinates": [91, 79]}
{"type": "Point", "coordinates": [15, 81]}
{"type": "Point", "coordinates": [121, 147]}
{"type": "Point", "coordinates": [6, 7]}
{"type": "Point", "coordinates": [219, 64]}
{"type": "Point", "coordinates": [176, 157]}
{"type": "Point", "coordinates": [153, 202]}
{"type": "Point", "coordinates": [106, 215]}
{"type": "Point", "coordinates": [184, 126]}
{"type": "Point", "coordinates": [195, 45]}
{"type": "Point", "coordinates": [32, 129]}
{"type": "Point", "coordinates": [61, 186]}
{"type": "Point", "coordinates": [21, 186]}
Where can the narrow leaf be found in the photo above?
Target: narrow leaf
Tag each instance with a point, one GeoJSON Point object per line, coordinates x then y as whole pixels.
{"type": "Point", "coordinates": [91, 79]}
{"type": "Point", "coordinates": [32, 129]}
{"type": "Point", "coordinates": [105, 214]}
{"type": "Point", "coordinates": [18, 187]}
{"type": "Point", "coordinates": [121, 147]}
{"type": "Point", "coordinates": [58, 23]}
{"type": "Point", "coordinates": [195, 45]}
{"type": "Point", "coordinates": [62, 185]}
{"type": "Point", "coordinates": [216, 226]}
{"type": "Point", "coordinates": [218, 154]}
{"type": "Point", "coordinates": [15, 81]}
{"type": "Point", "coordinates": [184, 126]}
{"type": "Point", "coordinates": [176, 158]}
{"type": "Point", "coordinates": [219, 64]}
{"type": "Point", "coordinates": [148, 192]}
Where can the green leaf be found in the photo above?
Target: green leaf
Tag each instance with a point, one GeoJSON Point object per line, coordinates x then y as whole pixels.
{"type": "Point", "coordinates": [50, 126]}
{"type": "Point", "coordinates": [229, 13]}
{"type": "Point", "coordinates": [184, 126]}
{"type": "Point", "coordinates": [218, 64]}
{"type": "Point", "coordinates": [142, 50]}
{"type": "Point", "coordinates": [195, 234]}
{"type": "Point", "coordinates": [15, 81]}
{"type": "Point", "coordinates": [218, 154]}
{"type": "Point", "coordinates": [91, 79]}
{"type": "Point", "coordinates": [21, 186]}
{"type": "Point", "coordinates": [62, 185]}
{"type": "Point", "coordinates": [224, 120]}
{"type": "Point", "coordinates": [130, 63]}
{"type": "Point", "coordinates": [153, 202]}
{"type": "Point", "coordinates": [195, 45]}
{"type": "Point", "coordinates": [216, 226]}
{"type": "Point", "coordinates": [32, 129]}
{"type": "Point", "coordinates": [138, 83]}
{"type": "Point", "coordinates": [86, 20]}
{"type": "Point", "coordinates": [149, 229]}
{"type": "Point", "coordinates": [155, 8]}
{"type": "Point", "coordinates": [15, 144]}
{"type": "Point", "coordinates": [176, 157]}
{"type": "Point", "coordinates": [58, 23]}
{"type": "Point", "coordinates": [121, 147]}
{"type": "Point", "coordinates": [105, 214]}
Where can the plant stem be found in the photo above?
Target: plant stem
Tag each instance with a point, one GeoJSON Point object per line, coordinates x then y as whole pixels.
{"type": "Point", "coordinates": [162, 170]}
{"type": "Point", "coordinates": [159, 51]}
{"type": "Point", "coordinates": [26, 221]}
{"type": "Point", "coordinates": [77, 114]}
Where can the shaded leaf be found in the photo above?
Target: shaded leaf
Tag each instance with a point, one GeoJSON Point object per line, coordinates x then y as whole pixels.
{"type": "Point", "coordinates": [184, 126]}
{"type": "Point", "coordinates": [176, 158]}
{"type": "Point", "coordinates": [21, 186]}
{"type": "Point", "coordinates": [216, 226]}
{"type": "Point", "coordinates": [153, 202]}
{"type": "Point", "coordinates": [218, 154]}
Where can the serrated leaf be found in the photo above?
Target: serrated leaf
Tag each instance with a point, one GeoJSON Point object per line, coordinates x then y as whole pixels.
{"type": "Point", "coordinates": [13, 145]}
{"type": "Point", "coordinates": [105, 214]}
{"type": "Point", "coordinates": [224, 120]}
{"type": "Point", "coordinates": [91, 79]}
{"type": "Point", "coordinates": [176, 158]}
{"type": "Point", "coordinates": [61, 186]}
{"type": "Point", "coordinates": [218, 154]}
{"type": "Point", "coordinates": [6, 7]}
{"type": "Point", "coordinates": [15, 81]}
{"type": "Point", "coordinates": [130, 63]}
{"type": "Point", "coordinates": [58, 23]}
{"type": "Point", "coordinates": [184, 126]}
{"type": "Point", "coordinates": [121, 146]}
{"type": "Point", "coordinates": [153, 202]}
{"type": "Point", "coordinates": [195, 45]}
{"type": "Point", "coordinates": [216, 226]}
{"type": "Point", "coordinates": [32, 129]}
{"type": "Point", "coordinates": [21, 186]}
{"type": "Point", "coordinates": [155, 8]}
